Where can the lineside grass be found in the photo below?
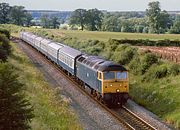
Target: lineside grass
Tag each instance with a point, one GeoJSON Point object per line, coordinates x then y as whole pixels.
{"type": "Point", "coordinates": [159, 96]}
{"type": "Point", "coordinates": [51, 112]}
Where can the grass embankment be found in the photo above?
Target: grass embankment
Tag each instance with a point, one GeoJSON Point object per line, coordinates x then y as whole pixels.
{"type": "Point", "coordinates": [51, 112]}
{"type": "Point", "coordinates": [160, 96]}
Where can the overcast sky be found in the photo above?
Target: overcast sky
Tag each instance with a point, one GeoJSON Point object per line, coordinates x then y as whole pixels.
{"type": "Point", "coordinates": [110, 5]}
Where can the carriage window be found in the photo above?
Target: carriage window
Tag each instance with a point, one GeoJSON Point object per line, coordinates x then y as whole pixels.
{"type": "Point", "coordinates": [121, 75]}
{"type": "Point", "coordinates": [109, 75]}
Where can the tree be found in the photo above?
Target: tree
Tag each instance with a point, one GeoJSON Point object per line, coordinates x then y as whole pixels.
{"type": "Point", "coordinates": [15, 110]}
{"type": "Point", "coordinates": [79, 17]}
{"type": "Point", "coordinates": [164, 21]}
{"type": "Point", "coordinates": [55, 22]}
{"type": "Point", "coordinates": [153, 14]}
{"type": "Point", "coordinates": [45, 21]}
{"type": "Point", "coordinates": [4, 13]}
{"type": "Point", "coordinates": [94, 19]}
{"type": "Point", "coordinates": [158, 20]}
{"type": "Point", "coordinates": [28, 19]}
{"type": "Point", "coordinates": [127, 26]}
{"type": "Point", "coordinates": [110, 23]}
{"type": "Point", "coordinates": [176, 27]}
{"type": "Point", "coordinates": [18, 15]}
{"type": "Point", "coordinates": [139, 28]}
{"type": "Point", "coordinates": [15, 15]}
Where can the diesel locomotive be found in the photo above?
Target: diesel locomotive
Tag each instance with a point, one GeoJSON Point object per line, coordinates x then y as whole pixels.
{"type": "Point", "coordinates": [106, 80]}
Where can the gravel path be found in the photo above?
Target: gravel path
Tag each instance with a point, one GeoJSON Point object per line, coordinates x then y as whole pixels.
{"type": "Point", "coordinates": [91, 115]}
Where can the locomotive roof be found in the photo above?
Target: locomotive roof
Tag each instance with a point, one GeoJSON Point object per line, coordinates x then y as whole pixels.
{"type": "Point", "coordinates": [110, 66]}
{"type": "Point", "coordinates": [100, 64]}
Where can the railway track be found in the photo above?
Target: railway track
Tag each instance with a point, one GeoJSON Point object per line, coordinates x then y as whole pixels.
{"type": "Point", "coordinates": [128, 119]}
{"type": "Point", "coordinates": [133, 120]}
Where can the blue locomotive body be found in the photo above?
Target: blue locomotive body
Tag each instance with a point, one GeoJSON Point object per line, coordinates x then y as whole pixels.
{"type": "Point", "coordinates": [88, 76]}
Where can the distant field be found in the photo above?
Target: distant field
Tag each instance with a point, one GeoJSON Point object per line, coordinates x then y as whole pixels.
{"type": "Point", "coordinates": [104, 36]}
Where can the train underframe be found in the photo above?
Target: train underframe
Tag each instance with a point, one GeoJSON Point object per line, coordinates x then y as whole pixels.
{"type": "Point", "coordinates": [115, 99]}
{"type": "Point", "coordinates": [112, 100]}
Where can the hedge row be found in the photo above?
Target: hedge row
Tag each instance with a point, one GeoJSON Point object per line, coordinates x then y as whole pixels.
{"type": "Point", "coordinates": [147, 42]}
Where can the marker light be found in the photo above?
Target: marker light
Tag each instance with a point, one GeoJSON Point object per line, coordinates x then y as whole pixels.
{"type": "Point", "coordinates": [111, 85]}
{"type": "Point", "coordinates": [117, 90]}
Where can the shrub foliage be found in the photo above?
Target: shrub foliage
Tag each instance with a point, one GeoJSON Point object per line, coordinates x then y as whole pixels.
{"type": "Point", "coordinates": [5, 48]}
{"type": "Point", "coordinates": [5, 32]}
{"type": "Point", "coordinates": [15, 110]}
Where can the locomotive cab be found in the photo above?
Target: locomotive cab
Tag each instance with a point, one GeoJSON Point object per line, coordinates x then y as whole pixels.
{"type": "Point", "coordinates": [114, 81]}
{"type": "Point", "coordinates": [115, 85]}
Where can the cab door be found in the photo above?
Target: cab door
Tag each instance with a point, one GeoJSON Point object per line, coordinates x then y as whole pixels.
{"type": "Point", "coordinates": [99, 81]}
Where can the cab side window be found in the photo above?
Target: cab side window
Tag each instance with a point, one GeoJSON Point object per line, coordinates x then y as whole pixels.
{"type": "Point", "coordinates": [99, 75]}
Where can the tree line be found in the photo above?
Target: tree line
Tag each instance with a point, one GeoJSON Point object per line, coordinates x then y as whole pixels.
{"type": "Point", "coordinates": [155, 20]}
{"type": "Point", "coordinates": [14, 15]}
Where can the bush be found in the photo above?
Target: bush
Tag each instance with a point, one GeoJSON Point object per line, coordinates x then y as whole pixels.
{"type": "Point", "coordinates": [5, 32]}
{"type": "Point", "coordinates": [174, 69]}
{"type": "Point", "coordinates": [93, 42]}
{"type": "Point", "coordinates": [3, 54]}
{"type": "Point", "coordinates": [5, 48]}
{"type": "Point", "coordinates": [156, 72]}
{"type": "Point", "coordinates": [15, 110]}
{"type": "Point", "coordinates": [112, 44]}
{"type": "Point", "coordinates": [124, 54]}
{"type": "Point", "coordinates": [147, 61]}
{"type": "Point", "coordinates": [135, 64]}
